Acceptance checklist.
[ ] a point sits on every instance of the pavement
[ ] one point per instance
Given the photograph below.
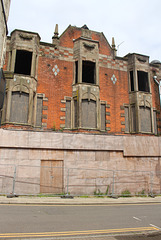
(78, 200)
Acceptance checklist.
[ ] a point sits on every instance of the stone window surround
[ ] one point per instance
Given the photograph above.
(85, 49)
(138, 127)
(98, 111)
(26, 85)
(136, 97)
(79, 72)
(25, 41)
(135, 78)
(12, 60)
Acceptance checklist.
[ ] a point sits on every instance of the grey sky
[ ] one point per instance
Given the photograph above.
(136, 23)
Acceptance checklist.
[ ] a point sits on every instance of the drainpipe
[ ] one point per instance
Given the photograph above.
(159, 85)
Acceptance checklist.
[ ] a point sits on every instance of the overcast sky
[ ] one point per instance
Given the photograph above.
(135, 24)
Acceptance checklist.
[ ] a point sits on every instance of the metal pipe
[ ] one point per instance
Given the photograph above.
(113, 185)
(67, 182)
(14, 180)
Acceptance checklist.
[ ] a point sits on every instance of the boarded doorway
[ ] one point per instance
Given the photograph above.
(51, 176)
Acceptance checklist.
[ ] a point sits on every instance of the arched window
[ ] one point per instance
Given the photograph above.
(89, 116)
(19, 107)
(145, 119)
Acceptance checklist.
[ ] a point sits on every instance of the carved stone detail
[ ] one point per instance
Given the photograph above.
(25, 36)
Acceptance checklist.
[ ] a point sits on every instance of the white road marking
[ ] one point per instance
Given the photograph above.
(155, 226)
(138, 219)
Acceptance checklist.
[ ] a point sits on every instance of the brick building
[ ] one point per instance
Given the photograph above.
(78, 84)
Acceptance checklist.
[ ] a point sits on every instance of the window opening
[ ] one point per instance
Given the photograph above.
(132, 81)
(88, 72)
(23, 62)
(76, 72)
(143, 83)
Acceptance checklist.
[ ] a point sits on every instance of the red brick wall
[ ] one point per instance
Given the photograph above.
(104, 47)
(115, 94)
(54, 87)
(66, 39)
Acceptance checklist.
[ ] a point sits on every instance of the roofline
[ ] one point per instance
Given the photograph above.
(24, 31)
(70, 26)
(138, 54)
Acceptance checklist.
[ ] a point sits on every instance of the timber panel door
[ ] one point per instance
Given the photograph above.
(51, 176)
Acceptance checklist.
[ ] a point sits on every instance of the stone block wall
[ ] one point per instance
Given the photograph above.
(88, 162)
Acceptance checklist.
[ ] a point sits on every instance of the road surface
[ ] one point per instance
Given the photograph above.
(23, 221)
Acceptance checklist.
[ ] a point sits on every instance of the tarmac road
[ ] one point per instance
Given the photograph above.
(80, 221)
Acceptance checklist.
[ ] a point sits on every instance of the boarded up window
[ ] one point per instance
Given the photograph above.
(155, 122)
(133, 118)
(19, 107)
(68, 114)
(103, 117)
(127, 119)
(88, 113)
(39, 112)
(75, 114)
(145, 119)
